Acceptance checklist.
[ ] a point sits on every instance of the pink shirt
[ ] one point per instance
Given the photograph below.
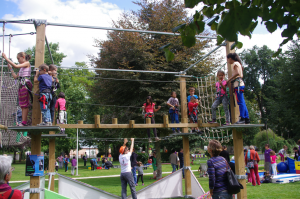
(149, 108)
(273, 159)
(25, 72)
(62, 104)
(219, 87)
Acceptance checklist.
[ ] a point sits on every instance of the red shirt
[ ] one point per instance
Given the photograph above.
(16, 195)
(191, 107)
(149, 108)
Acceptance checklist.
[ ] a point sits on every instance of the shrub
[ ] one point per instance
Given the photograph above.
(165, 157)
(142, 157)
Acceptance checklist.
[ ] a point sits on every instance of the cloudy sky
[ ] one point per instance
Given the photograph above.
(78, 43)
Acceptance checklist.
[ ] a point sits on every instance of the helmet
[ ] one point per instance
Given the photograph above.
(122, 149)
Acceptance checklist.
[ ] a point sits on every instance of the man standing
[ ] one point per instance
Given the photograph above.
(180, 156)
(133, 160)
(267, 158)
(84, 159)
(173, 160)
(73, 166)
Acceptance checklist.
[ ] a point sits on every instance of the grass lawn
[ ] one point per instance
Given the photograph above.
(113, 184)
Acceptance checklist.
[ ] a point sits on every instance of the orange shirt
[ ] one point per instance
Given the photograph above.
(253, 156)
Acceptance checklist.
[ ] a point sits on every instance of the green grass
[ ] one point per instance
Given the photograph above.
(113, 184)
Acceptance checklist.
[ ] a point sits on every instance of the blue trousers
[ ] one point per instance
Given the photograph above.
(173, 167)
(174, 118)
(181, 166)
(241, 102)
(221, 195)
(45, 108)
(133, 170)
(52, 108)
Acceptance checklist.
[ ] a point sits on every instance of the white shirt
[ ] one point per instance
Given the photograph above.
(239, 70)
(125, 162)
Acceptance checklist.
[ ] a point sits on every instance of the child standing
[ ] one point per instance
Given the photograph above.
(55, 85)
(193, 111)
(238, 85)
(282, 153)
(273, 158)
(173, 102)
(25, 87)
(45, 83)
(149, 109)
(221, 97)
(73, 166)
(139, 168)
(60, 108)
(56, 165)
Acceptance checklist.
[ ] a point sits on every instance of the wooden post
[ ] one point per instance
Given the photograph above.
(97, 121)
(166, 121)
(199, 123)
(51, 160)
(185, 139)
(237, 136)
(148, 120)
(131, 123)
(36, 112)
(115, 121)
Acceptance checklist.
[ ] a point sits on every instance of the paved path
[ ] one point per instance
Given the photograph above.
(81, 178)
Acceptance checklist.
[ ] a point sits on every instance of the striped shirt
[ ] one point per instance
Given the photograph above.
(217, 173)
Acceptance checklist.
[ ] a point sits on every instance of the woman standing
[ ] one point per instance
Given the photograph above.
(126, 175)
(217, 168)
(252, 156)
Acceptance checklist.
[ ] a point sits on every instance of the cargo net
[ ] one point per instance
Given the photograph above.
(206, 87)
(9, 111)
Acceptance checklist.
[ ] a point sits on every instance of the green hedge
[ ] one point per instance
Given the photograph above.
(142, 157)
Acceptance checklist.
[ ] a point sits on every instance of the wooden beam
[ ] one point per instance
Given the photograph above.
(237, 136)
(200, 123)
(131, 123)
(52, 159)
(36, 111)
(185, 139)
(97, 121)
(166, 121)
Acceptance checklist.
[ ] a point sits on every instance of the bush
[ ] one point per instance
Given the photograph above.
(165, 157)
(197, 152)
(142, 157)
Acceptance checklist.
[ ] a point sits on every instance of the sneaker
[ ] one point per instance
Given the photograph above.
(173, 132)
(226, 124)
(49, 123)
(178, 131)
(212, 121)
(199, 132)
(241, 121)
(143, 184)
(157, 139)
(149, 140)
(247, 121)
(42, 124)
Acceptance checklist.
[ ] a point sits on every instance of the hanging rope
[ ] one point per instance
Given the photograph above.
(2, 70)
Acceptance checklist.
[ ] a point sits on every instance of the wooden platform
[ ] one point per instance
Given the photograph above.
(35, 129)
(54, 135)
(182, 134)
(239, 126)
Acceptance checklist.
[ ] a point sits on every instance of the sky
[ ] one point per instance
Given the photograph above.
(77, 43)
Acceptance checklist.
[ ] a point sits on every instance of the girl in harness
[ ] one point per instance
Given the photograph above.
(149, 109)
(60, 107)
(25, 86)
(221, 97)
(238, 86)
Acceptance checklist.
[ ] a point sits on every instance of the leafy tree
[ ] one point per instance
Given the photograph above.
(230, 18)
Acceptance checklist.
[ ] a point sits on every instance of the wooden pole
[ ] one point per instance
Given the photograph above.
(36, 112)
(166, 121)
(97, 121)
(131, 123)
(115, 121)
(77, 152)
(237, 136)
(51, 159)
(185, 139)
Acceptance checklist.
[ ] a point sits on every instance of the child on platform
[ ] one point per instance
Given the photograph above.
(149, 109)
(273, 158)
(173, 102)
(282, 153)
(60, 108)
(193, 112)
(55, 85)
(45, 85)
(25, 87)
(221, 97)
(139, 168)
(238, 86)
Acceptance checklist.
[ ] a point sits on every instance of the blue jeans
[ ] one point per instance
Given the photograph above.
(174, 117)
(181, 166)
(173, 167)
(45, 108)
(241, 102)
(52, 108)
(133, 170)
(221, 195)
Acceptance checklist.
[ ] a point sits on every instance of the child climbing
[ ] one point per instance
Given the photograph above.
(193, 112)
(273, 158)
(221, 97)
(25, 86)
(282, 153)
(60, 108)
(45, 84)
(139, 168)
(173, 102)
(55, 85)
(149, 109)
(238, 85)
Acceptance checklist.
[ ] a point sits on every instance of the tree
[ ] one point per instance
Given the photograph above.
(230, 18)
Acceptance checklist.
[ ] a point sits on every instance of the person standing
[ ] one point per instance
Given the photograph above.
(180, 156)
(126, 175)
(133, 160)
(84, 159)
(224, 153)
(232, 164)
(66, 160)
(73, 166)
(267, 158)
(252, 158)
(173, 160)
(273, 158)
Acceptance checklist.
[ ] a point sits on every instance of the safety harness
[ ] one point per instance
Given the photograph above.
(23, 82)
(219, 93)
